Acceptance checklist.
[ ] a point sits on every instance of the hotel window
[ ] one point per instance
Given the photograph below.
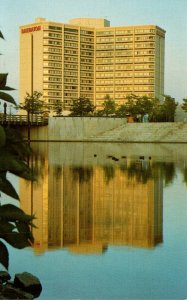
(52, 86)
(124, 32)
(54, 43)
(55, 57)
(73, 30)
(105, 40)
(55, 28)
(86, 32)
(55, 72)
(104, 33)
(57, 50)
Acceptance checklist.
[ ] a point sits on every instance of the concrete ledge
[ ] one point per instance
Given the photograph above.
(109, 130)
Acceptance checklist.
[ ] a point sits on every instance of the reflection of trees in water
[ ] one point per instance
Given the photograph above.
(58, 172)
(140, 170)
(143, 170)
(185, 174)
(168, 171)
(83, 174)
(109, 172)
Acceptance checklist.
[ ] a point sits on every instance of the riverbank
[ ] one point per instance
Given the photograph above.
(87, 129)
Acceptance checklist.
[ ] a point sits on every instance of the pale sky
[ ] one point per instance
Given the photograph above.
(171, 15)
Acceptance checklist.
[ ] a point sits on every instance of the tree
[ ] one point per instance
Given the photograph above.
(33, 104)
(121, 111)
(82, 107)
(137, 105)
(184, 105)
(109, 106)
(57, 108)
(131, 106)
(168, 109)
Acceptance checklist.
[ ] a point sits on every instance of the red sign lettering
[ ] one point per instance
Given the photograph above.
(31, 29)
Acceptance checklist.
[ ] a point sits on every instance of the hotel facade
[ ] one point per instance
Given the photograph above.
(88, 58)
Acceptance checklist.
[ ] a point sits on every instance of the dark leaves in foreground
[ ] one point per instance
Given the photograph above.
(15, 229)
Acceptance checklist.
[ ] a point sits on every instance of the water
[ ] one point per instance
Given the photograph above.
(111, 221)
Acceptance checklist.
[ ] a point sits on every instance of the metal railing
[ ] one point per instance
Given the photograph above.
(34, 120)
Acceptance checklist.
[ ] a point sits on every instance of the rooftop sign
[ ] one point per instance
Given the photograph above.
(30, 29)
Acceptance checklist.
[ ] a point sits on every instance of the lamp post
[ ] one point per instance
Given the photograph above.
(29, 125)
(5, 107)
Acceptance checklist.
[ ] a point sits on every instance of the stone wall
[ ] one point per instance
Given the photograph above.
(108, 130)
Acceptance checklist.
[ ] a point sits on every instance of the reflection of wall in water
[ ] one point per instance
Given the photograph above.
(84, 209)
(34, 200)
(70, 207)
(127, 212)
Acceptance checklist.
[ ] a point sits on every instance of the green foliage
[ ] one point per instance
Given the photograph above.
(2, 136)
(57, 108)
(168, 109)
(82, 107)
(109, 106)
(184, 104)
(4, 96)
(139, 105)
(157, 111)
(1, 35)
(15, 225)
(121, 111)
(33, 104)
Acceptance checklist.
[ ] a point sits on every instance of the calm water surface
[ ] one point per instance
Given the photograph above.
(111, 221)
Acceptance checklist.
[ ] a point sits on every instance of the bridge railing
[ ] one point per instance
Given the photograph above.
(23, 119)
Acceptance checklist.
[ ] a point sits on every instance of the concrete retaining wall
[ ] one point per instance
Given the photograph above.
(109, 130)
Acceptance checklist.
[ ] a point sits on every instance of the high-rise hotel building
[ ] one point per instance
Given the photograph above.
(89, 58)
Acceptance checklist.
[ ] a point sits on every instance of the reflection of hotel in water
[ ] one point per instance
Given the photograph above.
(80, 210)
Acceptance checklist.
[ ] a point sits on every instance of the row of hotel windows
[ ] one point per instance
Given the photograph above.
(53, 57)
(104, 60)
(100, 97)
(75, 37)
(123, 60)
(125, 88)
(67, 29)
(104, 68)
(124, 32)
(124, 53)
(100, 46)
(75, 46)
(52, 72)
(106, 53)
(82, 88)
(124, 81)
(125, 39)
(66, 73)
(52, 42)
(75, 74)
(76, 52)
(124, 74)
(66, 93)
(52, 86)
(124, 67)
(111, 82)
(75, 59)
(106, 32)
(52, 65)
(52, 35)
(66, 66)
(123, 46)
